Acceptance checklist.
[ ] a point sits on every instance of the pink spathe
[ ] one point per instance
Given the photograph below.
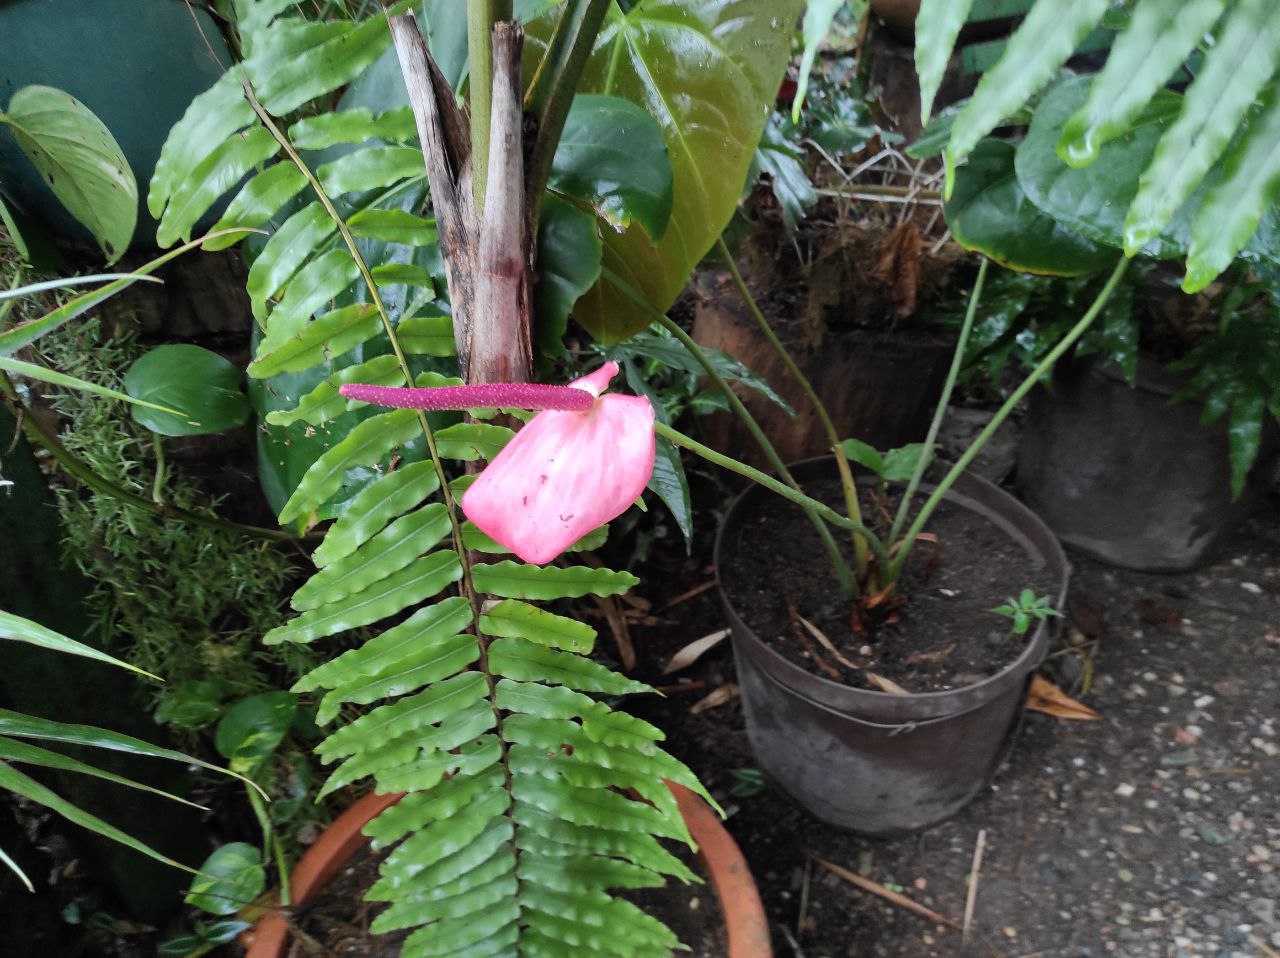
(566, 473)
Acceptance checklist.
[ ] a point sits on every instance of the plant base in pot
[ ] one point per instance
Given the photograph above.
(884, 763)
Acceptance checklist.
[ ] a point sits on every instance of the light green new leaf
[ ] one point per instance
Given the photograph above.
(1047, 37)
(393, 226)
(375, 168)
(375, 506)
(612, 155)
(32, 371)
(517, 580)
(512, 618)
(296, 60)
(80, 160)
(260, 199)
(222, 169)
(1158, 38)
(938, 25)
(353, 126)
(365, 445)
(1232, 210)
(529, 662)
(24, 630)
(415, 583)
(738, 50)
(203, 386)
(1244, 57)
(426, 335)
(818, 15)
(328, 336)
(469, 441)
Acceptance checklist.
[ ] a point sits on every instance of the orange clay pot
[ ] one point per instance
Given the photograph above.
(723, 864)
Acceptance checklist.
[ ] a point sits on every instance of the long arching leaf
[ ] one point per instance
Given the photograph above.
(937, 26)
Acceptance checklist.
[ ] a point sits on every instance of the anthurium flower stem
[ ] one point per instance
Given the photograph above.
(811, 506)
(844, 575)
(957, 360)
(842, 461)
(903, 549)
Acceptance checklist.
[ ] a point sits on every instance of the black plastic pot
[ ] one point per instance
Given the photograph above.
(1125, 476)
(872, 762)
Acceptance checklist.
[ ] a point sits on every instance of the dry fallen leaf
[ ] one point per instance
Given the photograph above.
(1046, 697)
(935, 656)
(725, 693)
(825, 642)
(686, 656)
(886, 685)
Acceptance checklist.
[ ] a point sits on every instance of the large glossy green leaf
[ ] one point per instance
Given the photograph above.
(24, 630)
(1093, 200)
(938, 25)
(1232, 210)
(1157, 39)
(988, 212)
(204, 387)
(231, 878)
(1046, 38)
(612, 155)
(568, 265)
(737, 50)
(1244, 56)
(80, 160)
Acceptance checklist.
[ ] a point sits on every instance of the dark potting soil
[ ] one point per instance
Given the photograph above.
(945, 636)
(338, 919)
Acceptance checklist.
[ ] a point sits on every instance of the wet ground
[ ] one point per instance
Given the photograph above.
(1154, 831)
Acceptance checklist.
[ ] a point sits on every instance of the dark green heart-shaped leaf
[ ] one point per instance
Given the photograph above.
(612, 155)
(252, 729)
(988, 212)
(568, 265)
(201, 385)
(80, 160)
(229, 879)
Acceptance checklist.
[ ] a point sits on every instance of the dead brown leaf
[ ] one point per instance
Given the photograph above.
(725, 693)
(1155, 613)
(886, 685)
(936, 656)
(686, 656)
(899, 267)
(825, 642)
(1046, 697)
(686, 596)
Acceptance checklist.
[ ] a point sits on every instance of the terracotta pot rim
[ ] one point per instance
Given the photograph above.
(727, 872)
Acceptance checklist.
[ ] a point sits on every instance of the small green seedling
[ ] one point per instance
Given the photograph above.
(1024, 608)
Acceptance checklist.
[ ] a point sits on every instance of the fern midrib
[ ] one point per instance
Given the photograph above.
(466, 586)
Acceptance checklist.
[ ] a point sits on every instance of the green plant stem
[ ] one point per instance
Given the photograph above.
(957, 360)
(807, 503)
(552, 90)
(157, 485)
(272, 845)
(931, 504)
(847, 484)
(481, 16)
(82, 472)
(844, 575)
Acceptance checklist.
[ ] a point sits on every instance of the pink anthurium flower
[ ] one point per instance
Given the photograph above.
(576, 465)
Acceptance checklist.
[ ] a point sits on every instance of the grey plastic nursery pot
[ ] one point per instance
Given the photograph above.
(1124, 475)
(872, 762)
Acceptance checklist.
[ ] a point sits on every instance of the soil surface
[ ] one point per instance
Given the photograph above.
(1154, 831)
(337, 921)
(945, 637)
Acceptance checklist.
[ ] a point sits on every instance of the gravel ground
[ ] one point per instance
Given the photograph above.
(1152, 832)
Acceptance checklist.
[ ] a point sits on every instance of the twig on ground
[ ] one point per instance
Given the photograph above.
(971, 899)
(804, 895)
(886, 685)
(875, 888)
(791, 940)
(825, 642)
(697, 590)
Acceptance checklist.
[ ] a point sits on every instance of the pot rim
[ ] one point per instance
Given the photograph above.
(741, 908)
(970, 492)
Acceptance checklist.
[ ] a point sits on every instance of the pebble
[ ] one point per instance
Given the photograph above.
(1125, 790)
(1251, 587)
(1203, 701)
